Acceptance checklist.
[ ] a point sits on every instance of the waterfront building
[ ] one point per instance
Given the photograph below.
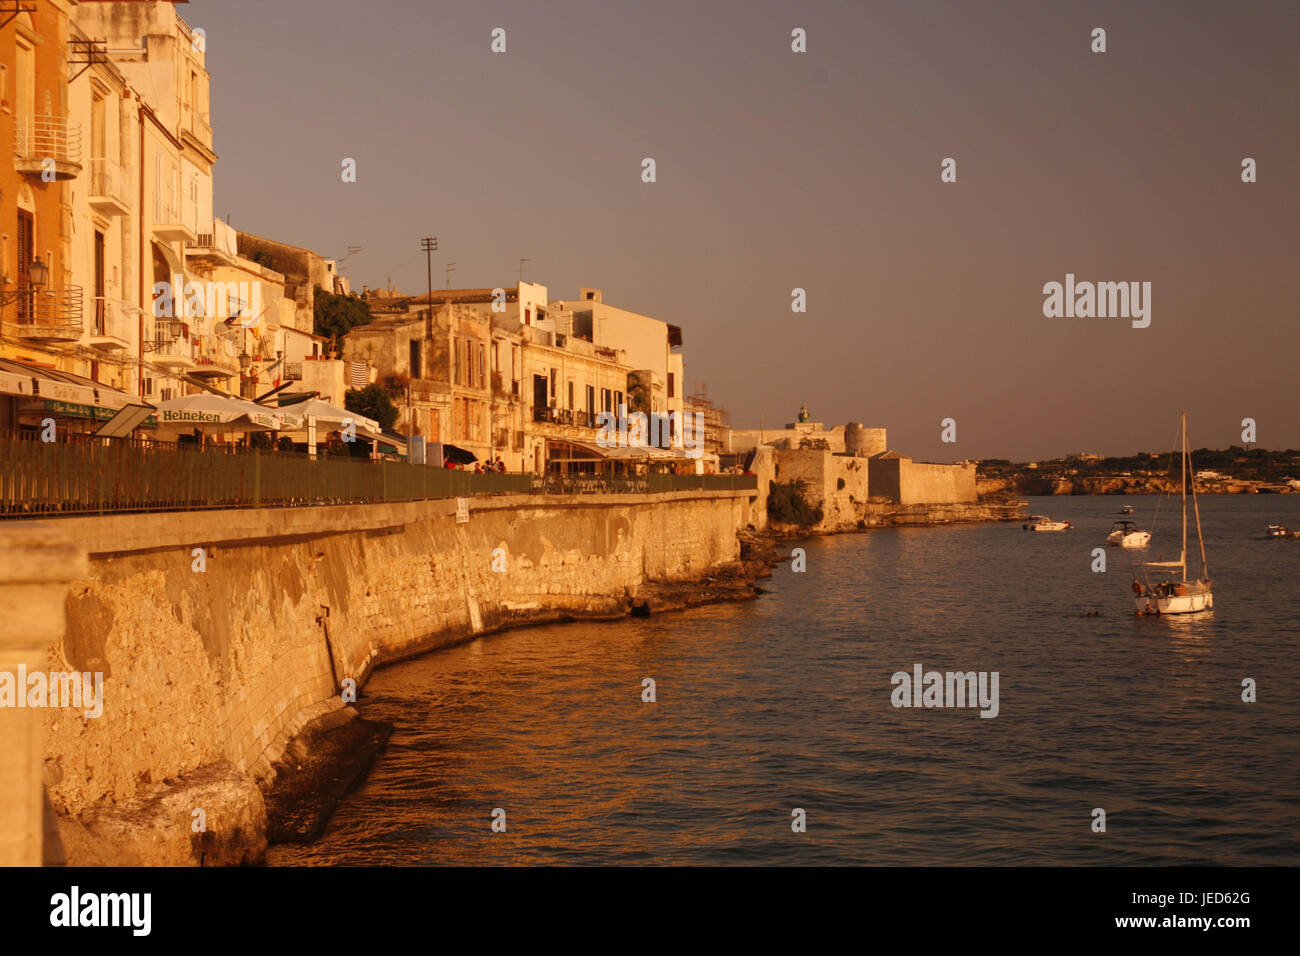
(42, 309)
(652, 348)
(165, 147)
(506, 372)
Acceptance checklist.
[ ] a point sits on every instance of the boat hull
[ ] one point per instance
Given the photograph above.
(1190, 603)
(1134, 539)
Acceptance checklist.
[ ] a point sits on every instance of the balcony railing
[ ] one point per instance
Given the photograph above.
(110, 187)
(48, 137)
(112, 323)
(47, 314)
(293, 371)
(169, 345)
(172, 219)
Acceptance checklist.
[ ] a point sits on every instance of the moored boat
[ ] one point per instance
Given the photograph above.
(1181, 596)
(1126, 534)
(1044, 523)
(1126, 510)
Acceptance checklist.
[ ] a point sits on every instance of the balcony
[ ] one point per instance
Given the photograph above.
(195, 126)
(48, 315)
(168, 223)
(110, 187)
(214, 366)
(214, 241)
(554, 416)
(47, 143)
(113, 324)
(170, 346)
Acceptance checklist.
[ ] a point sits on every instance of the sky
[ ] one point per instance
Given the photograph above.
(818, 170)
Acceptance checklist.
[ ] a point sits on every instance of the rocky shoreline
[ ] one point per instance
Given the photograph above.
(333, 755)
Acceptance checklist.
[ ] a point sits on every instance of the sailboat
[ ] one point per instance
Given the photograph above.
(1181, 596)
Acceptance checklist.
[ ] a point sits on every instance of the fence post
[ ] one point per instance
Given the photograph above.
(36, 566)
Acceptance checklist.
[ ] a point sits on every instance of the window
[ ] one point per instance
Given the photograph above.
(455, 363)
(670, 384)
(469, 363)
(591, 402)
(528, 316)
(618, 402)
(482, 366)
(605, 400)
(554, 376)
(570, 394)
(415, 359)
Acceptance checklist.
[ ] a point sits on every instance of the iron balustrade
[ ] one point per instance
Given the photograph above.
(81, 474)
(46, 136)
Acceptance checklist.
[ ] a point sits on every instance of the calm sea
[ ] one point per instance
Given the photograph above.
(784, 703)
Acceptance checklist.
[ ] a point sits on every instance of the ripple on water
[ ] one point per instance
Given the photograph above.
(784, 702)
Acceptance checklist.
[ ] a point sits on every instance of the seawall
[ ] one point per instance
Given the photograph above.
(215, 659)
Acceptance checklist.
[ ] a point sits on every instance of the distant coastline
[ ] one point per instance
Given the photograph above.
(1230, 471)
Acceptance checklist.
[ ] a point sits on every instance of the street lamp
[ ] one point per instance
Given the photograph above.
(38, 273)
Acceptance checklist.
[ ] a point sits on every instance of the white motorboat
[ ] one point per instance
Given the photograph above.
(1044, 523)
(1179, 596)
(1278, 531)
(1126, 534)
(1126, 510)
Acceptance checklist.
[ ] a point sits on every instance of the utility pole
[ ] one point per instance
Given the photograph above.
(430, 245)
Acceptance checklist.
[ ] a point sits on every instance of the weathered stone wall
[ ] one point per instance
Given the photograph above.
(924, 483)
(823, 473)
(208, 675)
(908, 482)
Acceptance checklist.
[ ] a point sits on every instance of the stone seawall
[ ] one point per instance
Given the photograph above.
(215, 659)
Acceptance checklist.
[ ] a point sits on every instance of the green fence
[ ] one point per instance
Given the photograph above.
(96, 476)
(82, 475)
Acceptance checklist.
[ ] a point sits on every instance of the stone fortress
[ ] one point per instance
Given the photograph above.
(850, 473)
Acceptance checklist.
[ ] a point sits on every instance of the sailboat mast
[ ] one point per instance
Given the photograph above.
(1196, 508)
(1183, 557)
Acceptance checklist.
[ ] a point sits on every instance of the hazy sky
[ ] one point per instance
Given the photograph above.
(818, 170)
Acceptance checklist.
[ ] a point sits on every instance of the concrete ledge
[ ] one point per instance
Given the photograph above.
(118, 534)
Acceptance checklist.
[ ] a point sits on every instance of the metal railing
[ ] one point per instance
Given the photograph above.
(48, 313)
(47, 136)
(654, 483)
(165, 211)
(85, 475)
(112, 317)
(80, 474)
(109, 181)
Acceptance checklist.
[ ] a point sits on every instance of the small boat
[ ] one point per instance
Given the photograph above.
(1126, 534)
(1181, 596)
(1044, 523)
(1126, 510)
(1278, 531)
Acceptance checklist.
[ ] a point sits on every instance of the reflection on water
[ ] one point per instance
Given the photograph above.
(784, 702)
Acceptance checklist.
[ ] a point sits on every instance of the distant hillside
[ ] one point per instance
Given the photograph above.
(1233, 470)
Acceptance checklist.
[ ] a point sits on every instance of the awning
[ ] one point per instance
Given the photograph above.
(175, 267)
(63, 392)
(210, 412)
(591, 451)
(330, 417)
